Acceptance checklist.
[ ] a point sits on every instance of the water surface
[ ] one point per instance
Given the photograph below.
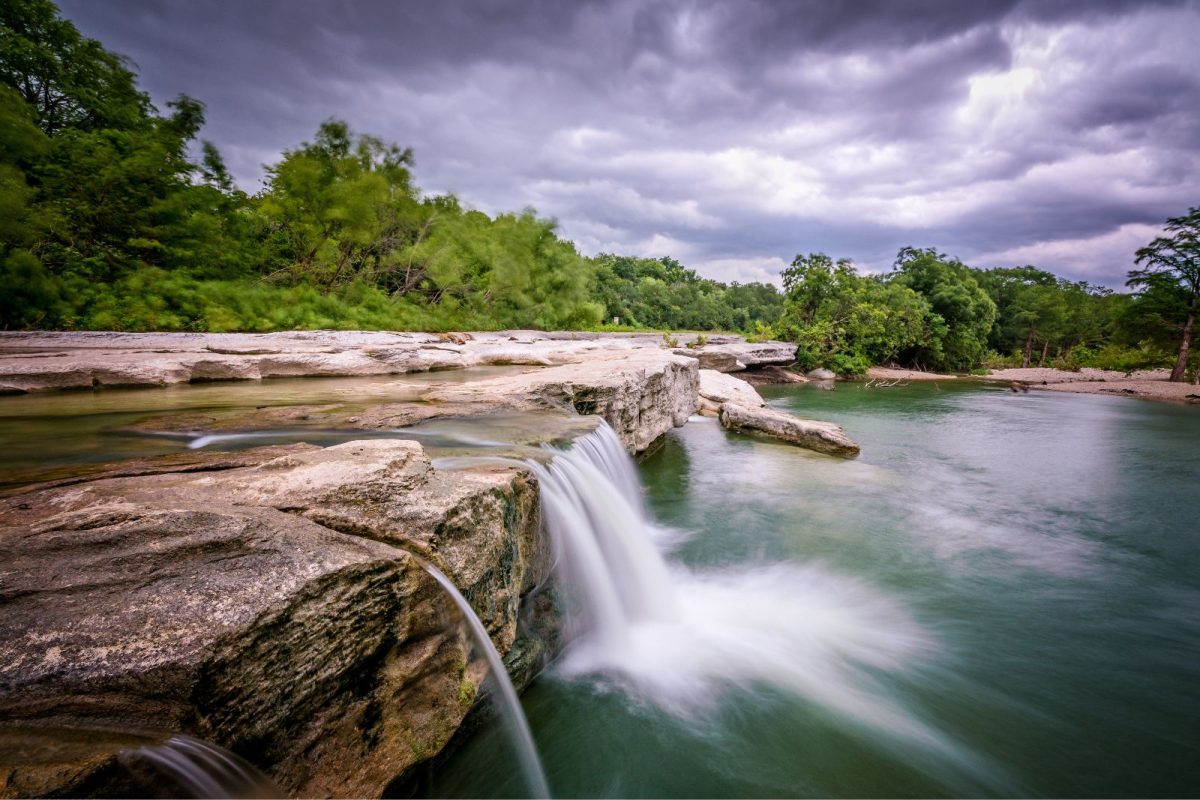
(1000, 596)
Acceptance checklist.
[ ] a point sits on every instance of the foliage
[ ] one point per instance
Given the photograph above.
(1168, 277)
(114, 215)
(662, 293)
(847, 322)
(961, 312)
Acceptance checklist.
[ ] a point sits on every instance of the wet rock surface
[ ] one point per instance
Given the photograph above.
(270, 599)
(272, 609)
(824, 437)
(642, 395)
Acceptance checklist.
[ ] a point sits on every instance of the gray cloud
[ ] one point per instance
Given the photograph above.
(730, 135)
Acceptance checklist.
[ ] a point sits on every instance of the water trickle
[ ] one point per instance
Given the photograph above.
(204, 770)
(510, 705)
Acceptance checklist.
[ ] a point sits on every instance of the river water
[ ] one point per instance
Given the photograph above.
(999, 597)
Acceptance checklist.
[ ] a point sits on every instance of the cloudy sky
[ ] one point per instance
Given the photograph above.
(730, 135)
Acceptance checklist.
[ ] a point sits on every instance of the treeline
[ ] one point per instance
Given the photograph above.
(934, 312)
(114, 216)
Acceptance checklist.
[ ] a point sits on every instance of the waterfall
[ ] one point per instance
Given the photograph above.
(204, 770)
(681, 638)
(592, 504)
(510, 705)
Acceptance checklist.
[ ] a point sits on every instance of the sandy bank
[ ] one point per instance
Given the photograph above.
(1146, 384)
(890, 374)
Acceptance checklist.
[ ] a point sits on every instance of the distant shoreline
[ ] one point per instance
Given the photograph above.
(1144, 384)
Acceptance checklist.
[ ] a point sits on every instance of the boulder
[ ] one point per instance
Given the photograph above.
(824, 437)
(717, 388)
(275, 609)
(642, 394)
(711, 358)
(821, 374)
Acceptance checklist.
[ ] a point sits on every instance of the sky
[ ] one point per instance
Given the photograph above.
(728, 135)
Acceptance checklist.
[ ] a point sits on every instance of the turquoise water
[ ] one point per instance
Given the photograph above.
(1000, 596)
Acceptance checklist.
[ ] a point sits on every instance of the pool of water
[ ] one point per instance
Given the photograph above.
(999, 597)
(43, 430)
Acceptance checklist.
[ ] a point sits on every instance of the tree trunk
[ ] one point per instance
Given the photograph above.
(338, 272)
(1178, 374)
(1045, 351)
(1028, 350)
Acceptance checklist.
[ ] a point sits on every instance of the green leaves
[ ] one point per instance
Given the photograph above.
(663, 294)
(1168, 280)
(957, 299)
(846, 322)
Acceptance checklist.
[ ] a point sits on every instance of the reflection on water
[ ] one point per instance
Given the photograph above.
(1016, 575)
(59, 429)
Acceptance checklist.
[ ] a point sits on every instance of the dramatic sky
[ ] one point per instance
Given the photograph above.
(729, 135)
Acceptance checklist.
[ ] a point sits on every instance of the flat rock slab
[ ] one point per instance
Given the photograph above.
(717, 388)
(273, 609)
(824, 437)
(641, 394)
(38, 361)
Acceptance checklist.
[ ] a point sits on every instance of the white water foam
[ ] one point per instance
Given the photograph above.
(680, 639)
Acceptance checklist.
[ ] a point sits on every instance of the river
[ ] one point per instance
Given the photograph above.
(1000, 596)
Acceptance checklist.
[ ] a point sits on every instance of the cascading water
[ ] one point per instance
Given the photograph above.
(510, 705)
(680, 639)
(204, 770)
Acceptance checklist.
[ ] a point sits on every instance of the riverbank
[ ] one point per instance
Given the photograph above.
(891, 374)
(277, 594)
(1144, 384)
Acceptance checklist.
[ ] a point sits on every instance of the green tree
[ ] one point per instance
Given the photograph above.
(847, 322)
(1038, 313)
(332, 207)
(1169, 267)
(67, 79)
(963, 311)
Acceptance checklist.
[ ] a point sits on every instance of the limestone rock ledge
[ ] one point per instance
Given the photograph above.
(641, 394)
(717, 388)
(274, 609)
(824, 437)
(46, 360)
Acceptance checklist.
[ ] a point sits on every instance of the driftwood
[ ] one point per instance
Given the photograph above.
(879, 383)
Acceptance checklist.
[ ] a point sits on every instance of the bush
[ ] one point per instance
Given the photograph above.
(1129, 359)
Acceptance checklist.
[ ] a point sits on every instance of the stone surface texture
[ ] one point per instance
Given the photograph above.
(275, 609)
(272, 601)
(717, 388)
(38, 361)
(641, 394)
(824, 437)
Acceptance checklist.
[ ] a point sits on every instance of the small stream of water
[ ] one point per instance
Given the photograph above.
(510, 705)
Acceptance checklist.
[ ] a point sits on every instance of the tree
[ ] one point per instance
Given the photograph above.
(964, 312)
(66, 78)
(1170, 265)
(847, 322)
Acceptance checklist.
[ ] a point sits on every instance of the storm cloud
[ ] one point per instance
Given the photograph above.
(729, 135)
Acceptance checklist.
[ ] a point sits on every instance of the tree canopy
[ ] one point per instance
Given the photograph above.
(1169, 276)
(115, 214)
